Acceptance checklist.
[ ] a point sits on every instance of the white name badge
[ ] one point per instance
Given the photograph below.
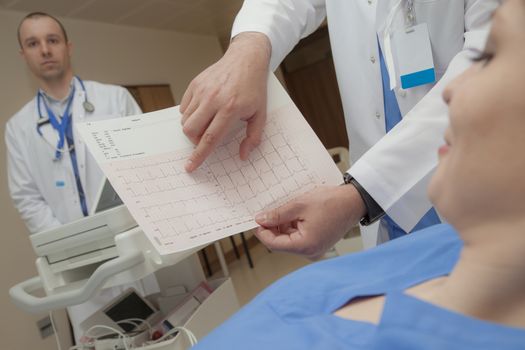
(412, 54)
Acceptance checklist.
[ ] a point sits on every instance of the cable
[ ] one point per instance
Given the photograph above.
(141, 322)
(55, 331)
(91, 345)
(134, 324)
(192, 338)
(137, 322)
(116, 331)
(83, 346)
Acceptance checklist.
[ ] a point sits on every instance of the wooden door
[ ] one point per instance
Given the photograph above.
(152, 97)
(311, 82)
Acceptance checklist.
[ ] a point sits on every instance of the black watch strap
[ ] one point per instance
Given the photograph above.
(374, 211)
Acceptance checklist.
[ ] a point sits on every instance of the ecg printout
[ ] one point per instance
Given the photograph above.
(143, 157)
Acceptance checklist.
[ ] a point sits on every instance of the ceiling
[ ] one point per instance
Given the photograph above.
(212, 17)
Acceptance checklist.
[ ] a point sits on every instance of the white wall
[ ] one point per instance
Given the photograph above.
(102, 52)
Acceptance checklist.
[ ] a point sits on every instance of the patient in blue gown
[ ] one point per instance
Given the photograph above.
(453, 287)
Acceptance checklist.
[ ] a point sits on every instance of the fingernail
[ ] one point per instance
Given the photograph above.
(245, 154)
(189, 165)
(260, 218)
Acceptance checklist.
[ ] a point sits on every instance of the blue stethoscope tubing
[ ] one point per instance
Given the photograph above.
(61, 127)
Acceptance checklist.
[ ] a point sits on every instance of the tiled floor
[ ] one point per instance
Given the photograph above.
(268, 267)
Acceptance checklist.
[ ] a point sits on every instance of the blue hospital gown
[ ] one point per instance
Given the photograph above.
(296, 312)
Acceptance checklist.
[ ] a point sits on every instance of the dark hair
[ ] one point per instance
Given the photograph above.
(38, 15)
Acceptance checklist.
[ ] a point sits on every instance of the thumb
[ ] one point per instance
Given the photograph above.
(282, 215)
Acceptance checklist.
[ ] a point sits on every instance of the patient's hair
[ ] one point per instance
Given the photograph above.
(35, 15)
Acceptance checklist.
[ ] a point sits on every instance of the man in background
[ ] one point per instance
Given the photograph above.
(52, 178)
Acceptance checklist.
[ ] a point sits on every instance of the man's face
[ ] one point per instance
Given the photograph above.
(44, 48)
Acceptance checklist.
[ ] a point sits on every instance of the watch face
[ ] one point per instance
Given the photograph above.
(347, 177)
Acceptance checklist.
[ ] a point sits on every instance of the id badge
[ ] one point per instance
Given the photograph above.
(412, 54)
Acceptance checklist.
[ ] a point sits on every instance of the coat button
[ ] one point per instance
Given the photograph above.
(378, 115)
(369, 2)
(372, 59)
(402, 93)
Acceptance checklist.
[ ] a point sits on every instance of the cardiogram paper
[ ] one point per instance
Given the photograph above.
(143, 157)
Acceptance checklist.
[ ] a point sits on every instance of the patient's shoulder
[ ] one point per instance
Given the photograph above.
(372, 272)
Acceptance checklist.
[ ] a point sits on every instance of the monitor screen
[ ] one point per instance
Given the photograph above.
(131, 306)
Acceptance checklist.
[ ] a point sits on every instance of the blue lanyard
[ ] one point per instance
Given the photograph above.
(59, 126)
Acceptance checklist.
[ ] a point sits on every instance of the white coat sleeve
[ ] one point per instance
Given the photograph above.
(284, 22)
(33, 209)
(418, 136)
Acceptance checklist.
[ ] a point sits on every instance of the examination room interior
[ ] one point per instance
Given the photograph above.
(136, 43)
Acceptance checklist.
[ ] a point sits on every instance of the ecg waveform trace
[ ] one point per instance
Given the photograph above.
(224, 193)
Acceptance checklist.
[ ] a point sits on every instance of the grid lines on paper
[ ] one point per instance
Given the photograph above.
(222, 193)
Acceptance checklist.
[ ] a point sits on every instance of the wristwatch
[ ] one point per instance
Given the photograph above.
(374, 211)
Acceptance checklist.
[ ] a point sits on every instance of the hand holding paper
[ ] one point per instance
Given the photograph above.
(144, 157)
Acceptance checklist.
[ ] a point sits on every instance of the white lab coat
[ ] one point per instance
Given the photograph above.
(396, 170)
(32, 174)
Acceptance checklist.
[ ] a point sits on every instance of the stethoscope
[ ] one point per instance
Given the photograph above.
(60, 124)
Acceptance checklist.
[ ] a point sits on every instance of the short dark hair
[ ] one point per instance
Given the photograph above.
(38, 14)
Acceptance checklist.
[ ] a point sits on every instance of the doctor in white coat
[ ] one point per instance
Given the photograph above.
(389, 173)
(42, 183)
(53, 182)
